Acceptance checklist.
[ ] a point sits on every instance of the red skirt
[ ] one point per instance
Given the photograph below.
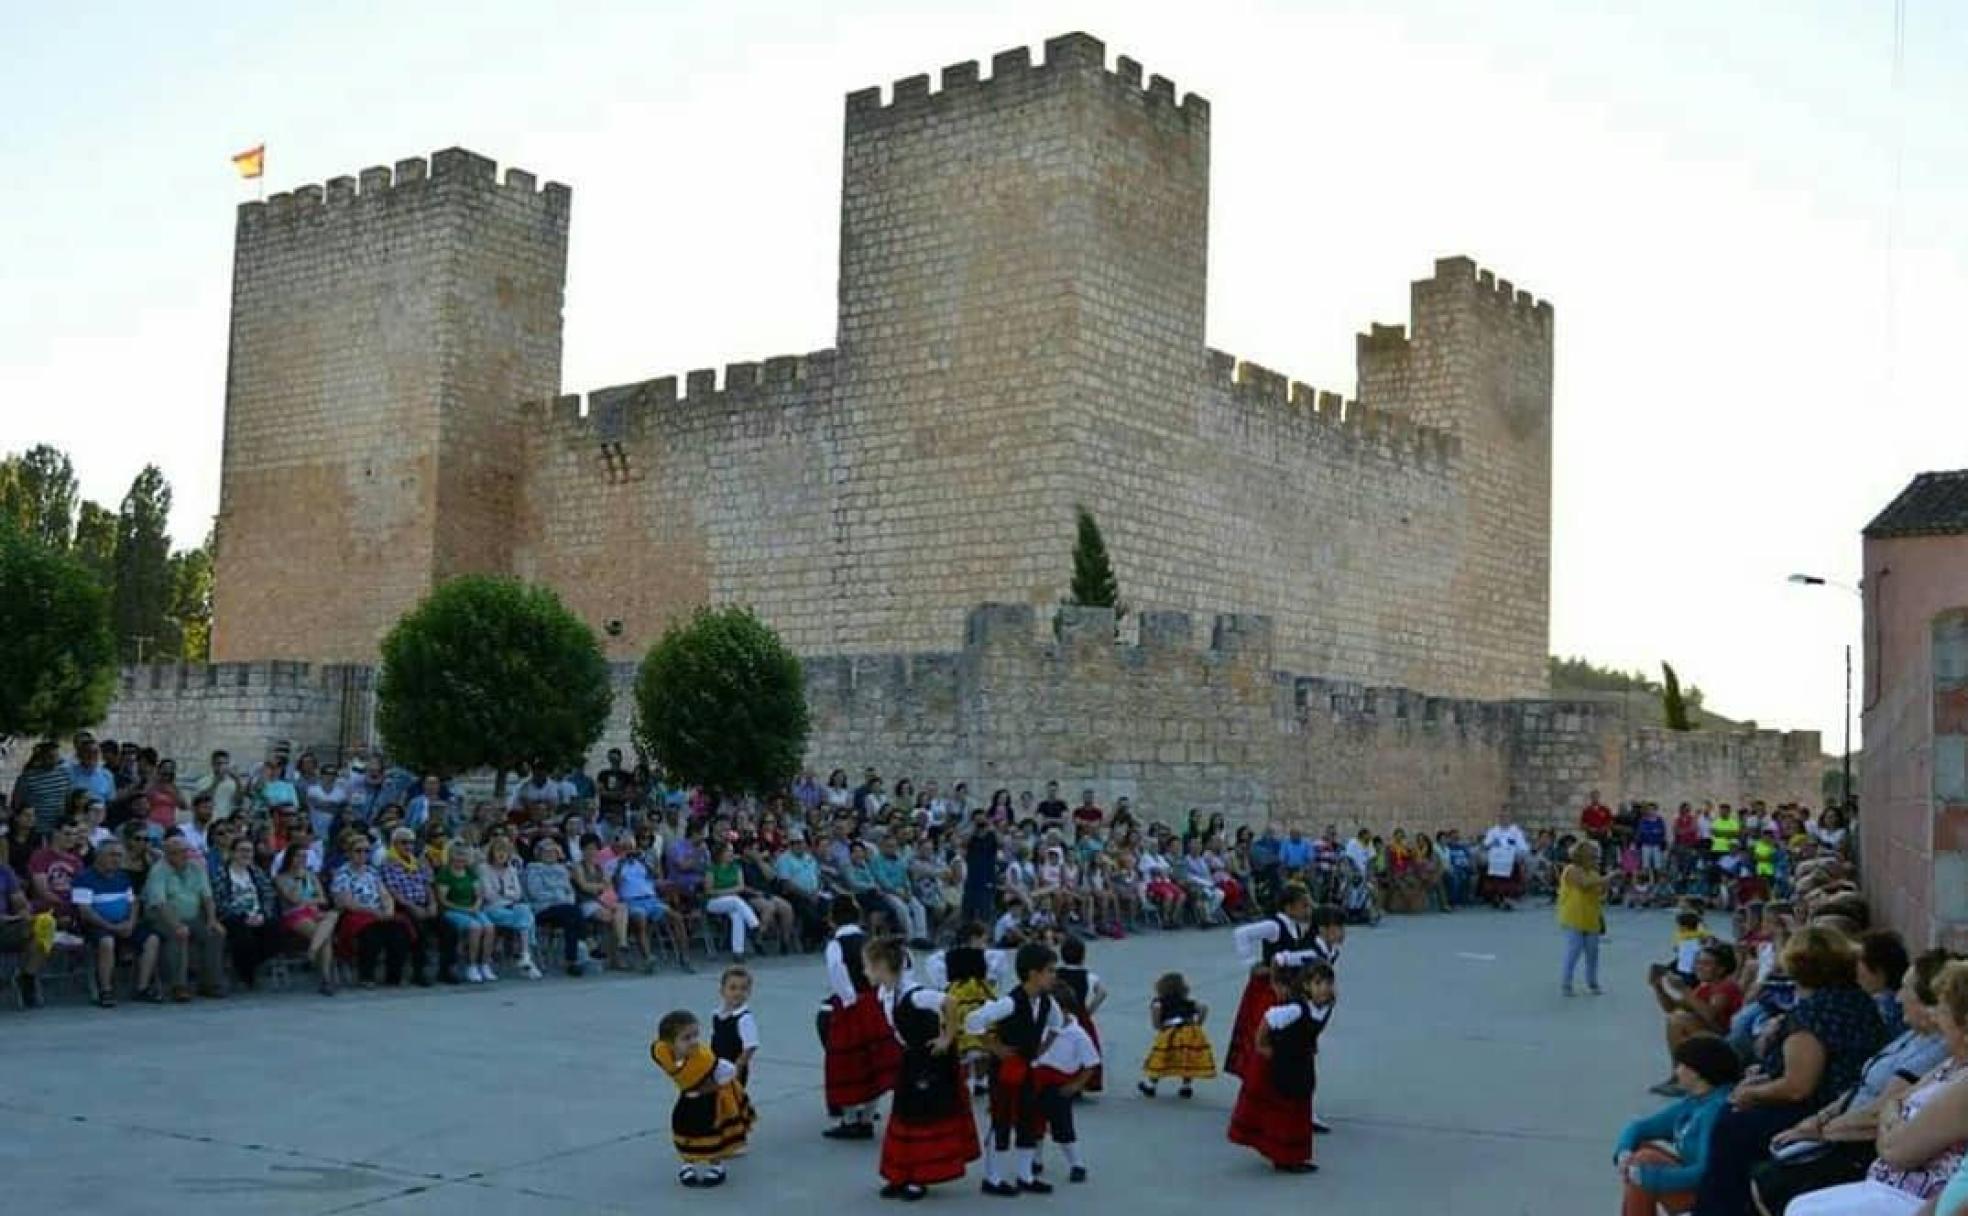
(1257, 1000)
(1492, 887)
(862, 1053)
(931, 1135)
(1016, 1100)
(1279, 1128)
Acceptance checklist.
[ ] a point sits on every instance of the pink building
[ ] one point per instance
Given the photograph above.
(1914, 781)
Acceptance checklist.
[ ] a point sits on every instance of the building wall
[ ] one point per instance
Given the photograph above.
(382, 332)
(1912, 843)
(1196, 713)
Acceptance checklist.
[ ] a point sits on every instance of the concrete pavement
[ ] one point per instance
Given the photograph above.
(1461, 1083)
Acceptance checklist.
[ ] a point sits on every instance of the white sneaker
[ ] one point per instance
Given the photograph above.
(489, 974)
(473, 975)
(530, 969)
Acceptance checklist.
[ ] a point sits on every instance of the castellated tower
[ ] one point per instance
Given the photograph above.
(383, 330)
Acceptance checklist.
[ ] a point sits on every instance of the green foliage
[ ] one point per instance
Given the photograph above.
(1094, 584)
(140, 599)
(190, 618)
(1674, 709)
(1570, 675)
(721, 703)
(58, 662)
(38, 494)
(491, 672)
(95, 542)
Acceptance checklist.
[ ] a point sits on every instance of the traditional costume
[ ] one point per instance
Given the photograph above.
(862, 1054)
(1020, 1026)
(1068, 1065)
(1084, 984)
(733, 1033)
(712, 1116)
(969, 975)
(1181, 1049)
(1504, 848)
(1274, 1108)
(931, 1135)
(1259, 944)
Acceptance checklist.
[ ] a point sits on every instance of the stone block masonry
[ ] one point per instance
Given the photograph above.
(1021, 328)
(1195, 713)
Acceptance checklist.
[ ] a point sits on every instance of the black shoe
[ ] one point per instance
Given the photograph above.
(1001, 1190)
(712, 1176)
(892, 1191)
(1185, 1092)
(1147, 1090)
(1077, 1174)
(1297, 1167)
(1320, 1127)
(914, 1191)
(30, 990)
(1036, 1186)
(575, 970)
(1038, 1169)
(850, 1131)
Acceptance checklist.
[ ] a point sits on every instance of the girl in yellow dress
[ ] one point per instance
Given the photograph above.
(713, 1116)
(1181, 1049)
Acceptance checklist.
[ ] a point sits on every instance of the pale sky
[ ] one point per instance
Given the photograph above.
(1754, 337)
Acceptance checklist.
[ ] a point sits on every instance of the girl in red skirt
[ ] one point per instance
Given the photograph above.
(1274, 1109)
(932, 1135)
(862, 1053)
(1089, 994)
(1259, 944)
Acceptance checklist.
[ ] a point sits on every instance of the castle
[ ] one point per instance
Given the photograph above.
(1341, 605)
(1021, 328)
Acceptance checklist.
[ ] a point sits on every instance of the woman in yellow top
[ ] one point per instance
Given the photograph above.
(1582, 914)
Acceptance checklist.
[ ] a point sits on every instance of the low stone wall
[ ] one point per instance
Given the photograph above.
(1185, 716)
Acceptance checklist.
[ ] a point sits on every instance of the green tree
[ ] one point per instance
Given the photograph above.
(95, 542)
(1674, 709)
(58, 665)
(1094, 584)
(721, 703)
(491, 673)
(38, 493)
(140, 596)
(190, 621)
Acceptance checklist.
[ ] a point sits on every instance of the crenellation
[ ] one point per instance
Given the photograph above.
(1011, 70)
(741, 378)
(452, 166)
(375, 179)
(1129, 71)
(1161, 88)
(341, 191)
(959, 75)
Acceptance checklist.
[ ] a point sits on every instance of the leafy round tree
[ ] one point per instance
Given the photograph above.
(491, 673)
(721, 703)
(58, 661)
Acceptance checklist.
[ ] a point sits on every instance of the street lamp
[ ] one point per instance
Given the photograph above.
(1845, 765)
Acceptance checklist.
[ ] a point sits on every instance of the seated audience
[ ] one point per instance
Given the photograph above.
(1661, 1158)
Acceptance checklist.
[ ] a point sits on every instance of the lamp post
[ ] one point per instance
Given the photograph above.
(1845, 764)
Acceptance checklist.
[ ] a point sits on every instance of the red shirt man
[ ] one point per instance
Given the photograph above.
(1088, 814)
(1596, 819)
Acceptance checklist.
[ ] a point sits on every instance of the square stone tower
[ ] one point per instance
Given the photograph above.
(382, 332)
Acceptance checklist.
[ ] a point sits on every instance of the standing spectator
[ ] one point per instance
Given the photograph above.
(1052, 809)
(1088, 814)
(408, 877)
(305, 912)
(89, 771)
(980, 864)
(368, 916)
(178, 901)
(615, 791)
(249, 908)
(1651, 834)
(106, 912)
(44, 785)
(361, 787)
(275, 790)
(577, 788)
(25, 932)
(164, 803)
(1504, 850)
(327, 797)
(539, 796)
(221, 785)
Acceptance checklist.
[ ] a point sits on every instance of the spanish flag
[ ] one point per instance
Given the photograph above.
(252, 162)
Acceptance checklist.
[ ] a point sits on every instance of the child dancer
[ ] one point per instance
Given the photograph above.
(1089, 994)
(862, 1054)
(1181, 1049)
(712, 1116)
(1019, 1027)
(1068, 1067)
(734, 1031)
(1328, 935)
(931, 1136)
(1259, 944)
(1274, 1109)
(970, 972)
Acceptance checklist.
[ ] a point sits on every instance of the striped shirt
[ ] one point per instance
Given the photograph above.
(46, 790)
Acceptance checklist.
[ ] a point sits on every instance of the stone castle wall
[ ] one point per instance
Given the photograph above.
(1187, 715)
(1023, 280)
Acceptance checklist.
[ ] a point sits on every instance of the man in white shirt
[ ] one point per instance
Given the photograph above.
(1504, 850)
(221, 785)
(541, 793)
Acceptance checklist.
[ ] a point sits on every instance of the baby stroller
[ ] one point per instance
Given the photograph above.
(1355, 894)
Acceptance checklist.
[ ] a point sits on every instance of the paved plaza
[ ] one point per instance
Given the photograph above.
(1461, 1082)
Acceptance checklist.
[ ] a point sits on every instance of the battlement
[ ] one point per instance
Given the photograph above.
(1461, 274)
(1395, 433)
(412, 178)
(605, 413)
(264, 676)
(1014, 75)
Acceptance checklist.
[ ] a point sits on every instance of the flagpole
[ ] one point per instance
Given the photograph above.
(262, 178)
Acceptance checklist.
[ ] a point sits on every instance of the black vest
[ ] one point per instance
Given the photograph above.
(1287, 940)
(1177, 1009)
(1292, 1055)
(1024, 1027)
(726, 1043)
(850, 947)
(1079, 979)
(917, 1028)
(965, 963)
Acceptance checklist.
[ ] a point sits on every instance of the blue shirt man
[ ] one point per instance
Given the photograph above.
(1295, 851)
